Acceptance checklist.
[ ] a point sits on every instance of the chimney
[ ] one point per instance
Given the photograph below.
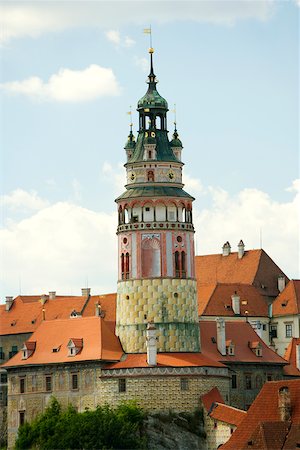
(298, 357)
(226, 249)
(281, 283)
(284, 403)
(85, 292)
(241, 249)
(52, 295)
(151, 344)
(221, 337)
(8, 303)
(236, 303)
(97, 309)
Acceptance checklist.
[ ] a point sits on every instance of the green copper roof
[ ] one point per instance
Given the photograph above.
(163, 148)
(154, 191)
(130, 141)
(152, 99)
(175, 142)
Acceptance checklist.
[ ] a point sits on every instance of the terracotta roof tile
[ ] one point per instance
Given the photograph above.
(227, 414)
(290, 355)
(265, 409)
(240, 333)
(215, 300)
(167, 360)
(213, 396)
(99, 342)
(288, 301)
(255, 268)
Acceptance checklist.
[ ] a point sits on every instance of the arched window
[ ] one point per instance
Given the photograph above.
(122, 266)
(120, 215)
(125, 270)
(180, 264)
(151, 257)
(150, 175)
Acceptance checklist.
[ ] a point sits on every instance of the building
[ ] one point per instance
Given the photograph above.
(292, 355)
(251, 362)
(286, 317)
(220, 420)
(151, 351)
(273, 420)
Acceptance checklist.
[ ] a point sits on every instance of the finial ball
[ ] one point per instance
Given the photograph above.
(151, 50)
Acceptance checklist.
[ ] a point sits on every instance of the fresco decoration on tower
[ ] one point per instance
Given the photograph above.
(156, 278)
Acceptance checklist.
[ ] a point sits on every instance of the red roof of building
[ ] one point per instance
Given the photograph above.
(254, 431)
(240, 333)
(215, 300)
(52, 337)
(212, 396)
(288, 301)
(227, 414)
(290, 355)
(166, 360)
(255, 267)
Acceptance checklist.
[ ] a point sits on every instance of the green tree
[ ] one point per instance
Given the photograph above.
(104, 428)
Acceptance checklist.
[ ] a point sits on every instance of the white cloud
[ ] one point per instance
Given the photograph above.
(142, 63)
(113, 36)
(23, 200)
(128, 41)
(115, 176)
(62, 245)
(193, 185)
(31, 19)
(68, 85)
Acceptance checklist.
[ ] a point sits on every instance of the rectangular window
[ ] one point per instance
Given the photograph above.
(184, 384)
(233, 381)
(2, 356)
(273, 331)
(122, 384)
(248, 381)
(22, 385)
(269, 377)
(74, 381)
(14, 351)
(3, 377)
(288, 330)
(48, 383)
(21, 418)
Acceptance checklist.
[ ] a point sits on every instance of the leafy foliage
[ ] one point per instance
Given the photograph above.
(105, 428)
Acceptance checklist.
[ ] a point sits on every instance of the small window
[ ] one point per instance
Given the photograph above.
(74, 381)
(48, 382)
(288, 330)
(215, 424)
(2, 356)
(21, 418)
(273, 331)
(269, 377)
(231, 430)
(233, 381)
(264, 327)
(22, 385)
(147, 208)
(248, 381)
(258, 382)
(3, 377)
(122, 384)
(184, 384)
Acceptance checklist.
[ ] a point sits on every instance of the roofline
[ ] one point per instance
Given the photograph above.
(267, 363)
(107, 361)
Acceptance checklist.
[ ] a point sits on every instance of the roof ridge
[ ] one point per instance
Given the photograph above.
(231, 407)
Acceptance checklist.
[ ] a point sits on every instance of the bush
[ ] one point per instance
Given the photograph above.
(104, 428)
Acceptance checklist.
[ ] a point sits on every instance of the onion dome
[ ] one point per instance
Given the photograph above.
(130, 144)
(152, 99)
(175, 142)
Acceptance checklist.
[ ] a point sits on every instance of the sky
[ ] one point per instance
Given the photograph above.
(70, 71)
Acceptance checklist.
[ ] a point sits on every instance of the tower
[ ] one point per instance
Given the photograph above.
(156, 275)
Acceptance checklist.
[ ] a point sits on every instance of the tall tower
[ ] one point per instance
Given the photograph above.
(156, 281)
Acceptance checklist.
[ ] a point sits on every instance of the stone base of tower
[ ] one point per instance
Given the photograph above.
(170, 303)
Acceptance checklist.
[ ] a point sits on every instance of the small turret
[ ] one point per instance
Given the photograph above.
(176, 144)
(130, 144)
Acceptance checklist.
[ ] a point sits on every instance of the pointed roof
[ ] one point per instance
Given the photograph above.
(288, 301)
(263, 420)
(52, 337)
(290, 355)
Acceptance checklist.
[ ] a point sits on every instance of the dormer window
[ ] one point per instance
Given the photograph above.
(230, 348)
(256, 347)
(74, 314)
(75, 346)
(28, 349)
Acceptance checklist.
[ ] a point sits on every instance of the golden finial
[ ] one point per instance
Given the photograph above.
(151, 50)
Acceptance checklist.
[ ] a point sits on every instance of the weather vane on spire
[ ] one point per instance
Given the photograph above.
(149, 31)
(174, 111)
(130, 114)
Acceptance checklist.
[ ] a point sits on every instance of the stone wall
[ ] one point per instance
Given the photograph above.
(217, 432)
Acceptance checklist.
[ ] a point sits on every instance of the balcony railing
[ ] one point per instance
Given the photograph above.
(156, 225)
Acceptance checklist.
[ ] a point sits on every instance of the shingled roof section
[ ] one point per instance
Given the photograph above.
(215, 300)
(227, 414)
(291, 370)
(262, 427)
(240, 333)
(212, 396)
(288, 301)
(255, 268)
(99, 343)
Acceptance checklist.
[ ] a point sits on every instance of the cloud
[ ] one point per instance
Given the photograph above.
(23, 200)
(68, 85)
(114, 36)
(142, 63)
(31, 19)
(115, 176)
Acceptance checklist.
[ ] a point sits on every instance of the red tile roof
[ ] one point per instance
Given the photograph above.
(264, 410)
(288, 301)
(215, 300)
(99, 343)
(255, 268)
(167, 360)
(290, 355)
(240, 333)
(227, 414)
(211, 397)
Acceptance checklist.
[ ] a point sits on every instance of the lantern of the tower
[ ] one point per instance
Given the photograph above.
(156, 281)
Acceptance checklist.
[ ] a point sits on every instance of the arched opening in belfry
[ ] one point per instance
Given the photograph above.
(125, 266)
(150, 175)
(151, 257)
